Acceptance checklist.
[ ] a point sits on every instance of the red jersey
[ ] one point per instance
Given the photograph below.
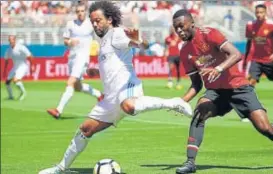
(261, 35)
(172, 42)
(204, 51)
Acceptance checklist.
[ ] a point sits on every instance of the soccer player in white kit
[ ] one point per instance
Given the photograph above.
(122, 89)
(78, 37)
(19, 55)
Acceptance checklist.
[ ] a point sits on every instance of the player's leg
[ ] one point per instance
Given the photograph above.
(74, 75)
(66, 96)
(268, 70)
(177, 66)
(78, 144)
(78, 71)
(19, 74)
(209, 106)
(171, 67)
(247, 105)
(88, 89)
(8, 83)
(255, 72)
(133, 102)
(261, 122)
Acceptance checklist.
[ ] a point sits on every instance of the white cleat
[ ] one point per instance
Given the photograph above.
(22, 96)
(182, 107)
(245, 120)
(53, 170)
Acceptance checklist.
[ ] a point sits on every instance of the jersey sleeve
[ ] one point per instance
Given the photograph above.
(25, 51)
(248, 33)
(216, 38)
(120, 40)
(67, 30)
(187, 64)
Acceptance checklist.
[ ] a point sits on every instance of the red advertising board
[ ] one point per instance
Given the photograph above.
(56, 67)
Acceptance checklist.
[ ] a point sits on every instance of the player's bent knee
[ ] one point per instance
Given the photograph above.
(128, 106)
(87, 130)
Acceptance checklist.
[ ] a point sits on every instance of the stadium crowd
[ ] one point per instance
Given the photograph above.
(33, 8)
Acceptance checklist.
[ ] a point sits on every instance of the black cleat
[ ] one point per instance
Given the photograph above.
(187, 167)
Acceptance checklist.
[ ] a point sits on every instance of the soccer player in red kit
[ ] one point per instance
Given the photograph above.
(207, 56)
(259, 47)
(172, 43)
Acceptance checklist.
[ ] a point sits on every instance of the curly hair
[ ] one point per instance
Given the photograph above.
(109, 9)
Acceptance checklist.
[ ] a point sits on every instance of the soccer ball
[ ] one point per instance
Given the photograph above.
(107, 166)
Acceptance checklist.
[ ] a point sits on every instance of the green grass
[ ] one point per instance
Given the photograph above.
(150, 143)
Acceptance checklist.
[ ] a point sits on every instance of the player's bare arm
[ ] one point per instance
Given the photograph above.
(133, 34)
(195, 88)
(248, 46)
(233, 57)
(92, 72)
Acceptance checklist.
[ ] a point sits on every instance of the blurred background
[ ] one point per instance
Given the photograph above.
(40, 24)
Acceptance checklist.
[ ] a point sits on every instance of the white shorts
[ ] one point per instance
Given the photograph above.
(108, 110)
(18, 72)
(77, 66)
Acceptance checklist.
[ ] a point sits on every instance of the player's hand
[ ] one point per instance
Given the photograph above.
(212, 73)
(74, 42)
(92, 72)
(132, 33)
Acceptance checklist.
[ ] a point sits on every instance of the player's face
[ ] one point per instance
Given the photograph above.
(12, 40)
(184, 28)
(81, 13)
(100, 23)
(260, 13)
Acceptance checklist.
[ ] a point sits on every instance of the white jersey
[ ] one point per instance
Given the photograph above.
(18, 54)
(81, 31)
(115, 60)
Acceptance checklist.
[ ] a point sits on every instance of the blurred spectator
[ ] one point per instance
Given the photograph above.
(228, 20)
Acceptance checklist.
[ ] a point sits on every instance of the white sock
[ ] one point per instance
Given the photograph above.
(20, 86)
(145, 103)
(69, 91)
(9, 89)
(86, 88)
(77, 145)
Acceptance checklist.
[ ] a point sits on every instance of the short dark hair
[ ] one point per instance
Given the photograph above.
(183, 12)
(109, 9)
(260, 6)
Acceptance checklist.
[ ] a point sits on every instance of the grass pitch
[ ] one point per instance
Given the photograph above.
(150, 143)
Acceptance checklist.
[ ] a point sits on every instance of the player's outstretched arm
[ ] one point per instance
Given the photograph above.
(233, 56)
(196, 86)
(248, 46)
(133, 34)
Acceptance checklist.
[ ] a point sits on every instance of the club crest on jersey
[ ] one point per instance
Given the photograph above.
(266, 31)
(260, 40)
(204, 60)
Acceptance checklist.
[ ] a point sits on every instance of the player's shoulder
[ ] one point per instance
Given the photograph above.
(208, 30)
